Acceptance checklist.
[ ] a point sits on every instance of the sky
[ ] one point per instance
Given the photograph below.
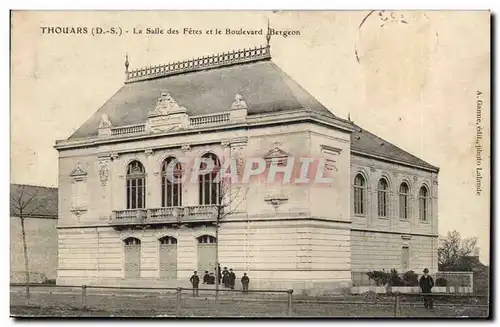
(410, 77)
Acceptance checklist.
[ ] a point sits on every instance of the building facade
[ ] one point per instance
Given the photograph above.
(122, 222)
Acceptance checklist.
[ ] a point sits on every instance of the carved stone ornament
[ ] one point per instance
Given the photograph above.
(415, 178)
(186, 147)
(79, 171)
(78, 212)
(276, 155)
(164, 128)
(103, 173)
(330, 164)
(165, 105)
(238, 103)
(105, 122)
(276, 200)
(435, 181)
(149, 152)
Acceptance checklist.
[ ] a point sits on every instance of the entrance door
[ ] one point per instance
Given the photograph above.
(168, 257)
(132, 257)
(206, 254)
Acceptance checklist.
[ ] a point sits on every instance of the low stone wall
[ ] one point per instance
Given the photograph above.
(303, 288)
(412, 289)
(20, 277)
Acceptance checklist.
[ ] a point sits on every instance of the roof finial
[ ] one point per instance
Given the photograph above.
(126, 62)
(268, 34)
(349, 116)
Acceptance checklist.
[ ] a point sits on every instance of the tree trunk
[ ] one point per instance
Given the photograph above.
(25, 252)
(217, 257)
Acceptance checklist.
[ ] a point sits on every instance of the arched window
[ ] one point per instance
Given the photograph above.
(136, 185)
(359, 195)
(382, 196)
(209, 188)
(423, 197)
(204, 239)
(168, 240)
(403, 200)
(171, 185)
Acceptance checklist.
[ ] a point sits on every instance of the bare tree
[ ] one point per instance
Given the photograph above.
(230, 197)
(452, 249)
(25, 202)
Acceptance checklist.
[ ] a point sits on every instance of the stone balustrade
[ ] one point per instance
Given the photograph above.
(132, 129)
(165, 215)
(209, 119)
(194, 122)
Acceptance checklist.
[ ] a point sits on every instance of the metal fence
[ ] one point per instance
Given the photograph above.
(453, 278)
(184, 302)
(165, 301)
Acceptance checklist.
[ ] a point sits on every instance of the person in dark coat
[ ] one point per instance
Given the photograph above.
(195, 281)
(244, 282)
(232, 278)
(219, 274)
(426, 284)
(225, 277)
(205, 277)
(211, 279)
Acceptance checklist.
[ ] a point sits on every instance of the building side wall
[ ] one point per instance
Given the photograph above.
(376, 251)
(377, 241)
(41, 242)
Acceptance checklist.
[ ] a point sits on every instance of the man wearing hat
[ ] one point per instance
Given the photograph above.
(205, 277)
(195, 281)
(426, 284)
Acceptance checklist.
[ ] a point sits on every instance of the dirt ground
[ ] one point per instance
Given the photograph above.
(137, 304)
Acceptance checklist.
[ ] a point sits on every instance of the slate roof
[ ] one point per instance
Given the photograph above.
(43, 204)
(264, 86)
(369, 143)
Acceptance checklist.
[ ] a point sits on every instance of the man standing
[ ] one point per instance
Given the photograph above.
(232, 278)
(225, 277)
(219, 274)
(426, 284)
(195, 281)
(244, 282)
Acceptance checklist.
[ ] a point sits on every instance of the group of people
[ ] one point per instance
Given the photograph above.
(226, 277)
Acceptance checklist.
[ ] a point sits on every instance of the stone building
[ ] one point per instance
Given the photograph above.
(123, 223)
(39, 208)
